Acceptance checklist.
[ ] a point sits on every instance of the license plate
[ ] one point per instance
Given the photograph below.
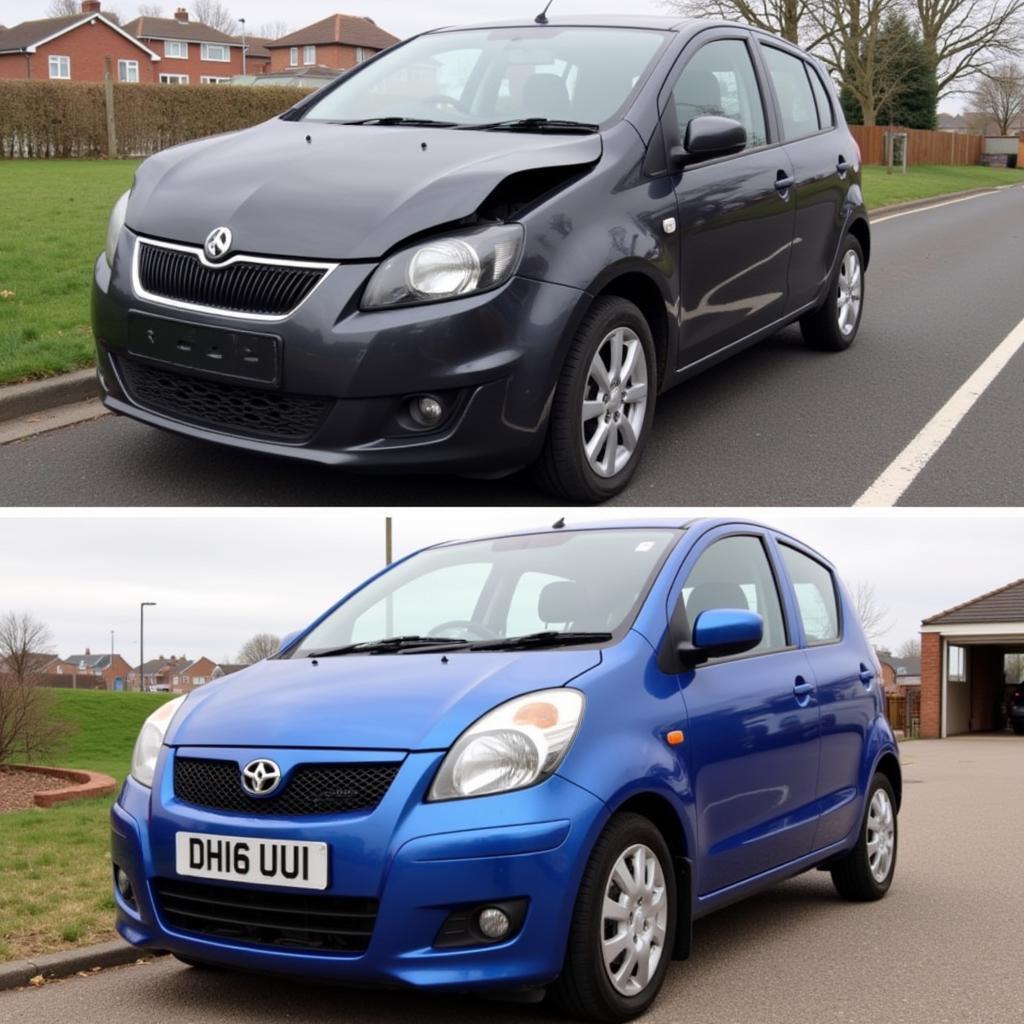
(235, 354)
(256, 861)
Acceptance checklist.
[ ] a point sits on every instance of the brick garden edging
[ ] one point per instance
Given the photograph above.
(84, 785)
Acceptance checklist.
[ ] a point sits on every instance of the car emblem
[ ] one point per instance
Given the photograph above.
(260, 777)
(218, 243)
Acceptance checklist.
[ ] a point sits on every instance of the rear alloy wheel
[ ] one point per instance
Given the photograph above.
(603, 405)
(833, 326)
(865, 873)
(620, 943)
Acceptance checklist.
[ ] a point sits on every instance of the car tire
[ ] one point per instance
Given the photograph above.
(585, 990)
(611, 325)
(822, 329)
(858, 877)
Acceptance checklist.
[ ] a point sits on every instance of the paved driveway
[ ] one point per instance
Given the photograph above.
(944, 946)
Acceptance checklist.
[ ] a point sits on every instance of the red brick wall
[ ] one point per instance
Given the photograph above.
(931, 685)
(87, 46)
(194, 66)
(332, 55)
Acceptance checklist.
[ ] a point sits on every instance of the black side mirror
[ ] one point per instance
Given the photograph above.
(720, 632)
(709, 136)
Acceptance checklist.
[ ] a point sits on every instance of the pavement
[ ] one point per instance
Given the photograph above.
(775, 425)
(943, 947)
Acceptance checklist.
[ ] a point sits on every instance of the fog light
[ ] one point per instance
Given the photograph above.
(494, 923)
(428, 410)
(124, 885)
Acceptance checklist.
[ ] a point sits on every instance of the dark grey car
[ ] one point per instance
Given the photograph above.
(487, 248)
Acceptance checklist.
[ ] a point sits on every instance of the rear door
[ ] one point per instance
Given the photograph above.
(821, 156)
(842, 664)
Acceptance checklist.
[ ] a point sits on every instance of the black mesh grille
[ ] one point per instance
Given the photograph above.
(234, 408)
(298, 920)
(309, 789)
(239, 287)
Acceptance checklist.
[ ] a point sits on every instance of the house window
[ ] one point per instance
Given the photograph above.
(127, 70)
(176, 48)
(309, 55)
(956, 669)
(360, 55)
(215, 51)
(213, 80)
(293, 56)
(174, 79)
(60, 67)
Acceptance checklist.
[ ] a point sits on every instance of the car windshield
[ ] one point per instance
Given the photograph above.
(489, 77)
(582, 582)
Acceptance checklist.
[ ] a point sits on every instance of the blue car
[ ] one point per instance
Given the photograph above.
(524, 762)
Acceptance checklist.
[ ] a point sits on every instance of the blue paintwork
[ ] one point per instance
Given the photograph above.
(725, 627)
(770, 780)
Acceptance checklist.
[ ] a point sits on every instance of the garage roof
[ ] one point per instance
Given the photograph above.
(1006, 604)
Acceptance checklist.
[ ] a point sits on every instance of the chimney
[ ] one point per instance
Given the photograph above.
(90, 6)
(181, 15)
(87, 652)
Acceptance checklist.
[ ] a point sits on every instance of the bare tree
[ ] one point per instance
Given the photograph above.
(272, 30)
(215, 14)
(262, 645)
(999, 95)
(787, 18)
(964, 37)
(27, 723)
(63, 8)
(910, 648)
(151, 11)
(874, 618)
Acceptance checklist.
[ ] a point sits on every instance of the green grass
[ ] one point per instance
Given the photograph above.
(53, 223)
(924, 181)
(55, 880)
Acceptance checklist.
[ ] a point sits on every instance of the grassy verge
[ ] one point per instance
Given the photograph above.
(924, 181)
(53, 222)
(55, 880)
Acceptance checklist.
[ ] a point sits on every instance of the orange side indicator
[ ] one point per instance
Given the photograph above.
(540, 713)
(675, 737)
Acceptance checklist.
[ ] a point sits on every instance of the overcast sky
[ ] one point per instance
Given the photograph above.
(218, 577)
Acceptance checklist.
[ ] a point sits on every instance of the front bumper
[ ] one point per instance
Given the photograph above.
(420, 860)
(495, 358)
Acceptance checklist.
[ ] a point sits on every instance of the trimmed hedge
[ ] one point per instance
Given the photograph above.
(68, 119)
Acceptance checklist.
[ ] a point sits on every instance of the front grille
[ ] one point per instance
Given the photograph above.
(233, 408)
(267, 289)
(309, 789)
(295, 920)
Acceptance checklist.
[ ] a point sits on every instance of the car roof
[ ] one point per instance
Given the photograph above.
(663, 23)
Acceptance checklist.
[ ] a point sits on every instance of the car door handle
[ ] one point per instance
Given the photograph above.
(783, 183)
(866, 674)
(802, 688)
(842, 167)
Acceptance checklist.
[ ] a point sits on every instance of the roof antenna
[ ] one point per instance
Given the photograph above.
(559, 524)
(542, 18)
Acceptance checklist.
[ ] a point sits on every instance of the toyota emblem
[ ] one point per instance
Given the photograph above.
(218, 243)
(260, 777)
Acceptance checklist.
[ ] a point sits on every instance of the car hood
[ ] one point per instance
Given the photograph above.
(382, 702)
(334, 192)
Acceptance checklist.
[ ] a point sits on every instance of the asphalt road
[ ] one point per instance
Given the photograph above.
(943, 947)
(776, 425)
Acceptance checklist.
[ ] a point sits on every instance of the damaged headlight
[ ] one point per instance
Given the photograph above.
(446, 267)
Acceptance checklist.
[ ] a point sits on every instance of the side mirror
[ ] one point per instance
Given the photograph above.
(708, 136)
(287, 640)
(719, 632)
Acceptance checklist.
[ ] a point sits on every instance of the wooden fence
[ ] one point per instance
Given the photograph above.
(923, 147)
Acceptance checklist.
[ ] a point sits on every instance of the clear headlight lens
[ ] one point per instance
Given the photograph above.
(513, 746)
(444, 268)
(151, 738)
(114, 225)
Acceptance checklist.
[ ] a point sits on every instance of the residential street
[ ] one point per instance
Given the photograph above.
(943, 946)
(776, 425)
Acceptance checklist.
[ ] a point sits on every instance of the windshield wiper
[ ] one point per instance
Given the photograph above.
(386, 644)
(549, 638)
(416, 122)
(532, 124)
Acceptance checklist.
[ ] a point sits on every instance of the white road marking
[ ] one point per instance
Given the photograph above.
(935, 206)
(904, 469)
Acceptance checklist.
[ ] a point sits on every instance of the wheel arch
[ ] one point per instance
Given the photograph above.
(860, 230)
(889, 765)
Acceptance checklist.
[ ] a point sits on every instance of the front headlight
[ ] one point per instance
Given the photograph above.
(114, 225)
(151, 738)
(513, 746)
(444, 268)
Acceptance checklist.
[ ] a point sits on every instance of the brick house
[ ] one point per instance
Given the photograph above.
(191, 53)
(103, 666)
(257, 56)
(157, 672)
(193, 674)
(964, 681)
(74, 48)
(339, 42)
(898, 673)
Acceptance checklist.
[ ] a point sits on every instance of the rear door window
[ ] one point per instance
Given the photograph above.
(815, 591)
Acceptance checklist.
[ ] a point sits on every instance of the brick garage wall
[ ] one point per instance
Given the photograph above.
(194, 66)
(931, 685)
(87, 45)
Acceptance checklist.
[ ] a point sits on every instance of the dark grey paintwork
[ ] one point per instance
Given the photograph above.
(744, 261)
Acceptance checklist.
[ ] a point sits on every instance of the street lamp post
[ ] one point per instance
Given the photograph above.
(143, 605)
(241, 21)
